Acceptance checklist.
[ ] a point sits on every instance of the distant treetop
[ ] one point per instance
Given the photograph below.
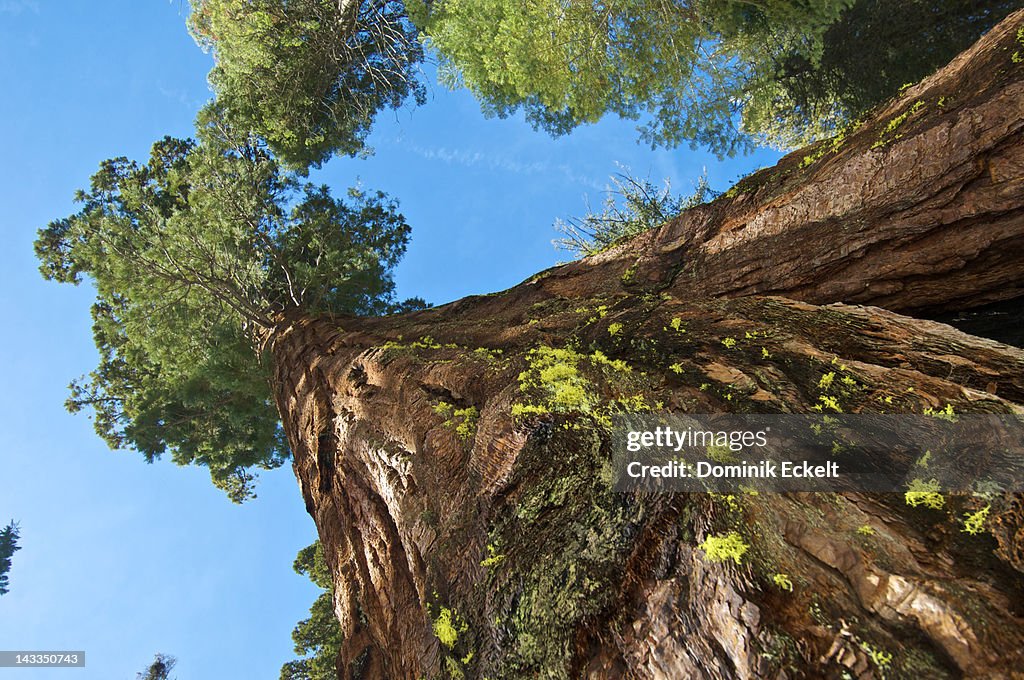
(8, 546)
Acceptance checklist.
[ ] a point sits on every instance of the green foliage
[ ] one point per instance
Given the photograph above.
(794, 72)
(318, 638)
(928, 494)
(8, 546)
(722, 548)
(631, 207)
(683, 64)
(861, 59)
(309, 75)
(160, 669)
(196, 256)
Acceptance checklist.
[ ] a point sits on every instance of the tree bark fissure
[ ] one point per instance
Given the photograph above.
(465, 540)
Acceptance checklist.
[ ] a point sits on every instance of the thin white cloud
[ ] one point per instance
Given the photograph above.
(499, 162)
(17, 7)
(178, 95)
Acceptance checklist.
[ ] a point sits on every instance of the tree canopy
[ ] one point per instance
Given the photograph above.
(309, 75)
(872, 50)
(569, 63)
(318, 638)
(160, 669)
(8, 546)
(195, 255)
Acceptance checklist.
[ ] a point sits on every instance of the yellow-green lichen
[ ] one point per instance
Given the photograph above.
(721, 453)
(783, 581)
(974, 522)
(720, 548)
(493, 558)
(448, 626)
(942, 414)
(466, 427)
(557, 383)
(629, 276)
(462, 420)
(881, 658)
(827, 402)
(889, 134)
(926, 493)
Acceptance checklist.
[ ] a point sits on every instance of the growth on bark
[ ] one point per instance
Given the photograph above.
(468, 523)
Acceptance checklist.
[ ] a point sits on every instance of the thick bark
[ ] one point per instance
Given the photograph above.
(922, 212)
(434, 504)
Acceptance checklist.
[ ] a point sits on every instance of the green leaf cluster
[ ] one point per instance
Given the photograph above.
(682, 64)
(723, 74)
(869, 53)
(8, 546)
(160, 669)
(632, 206)
(196, 256)
(309, 75)
(318, 638)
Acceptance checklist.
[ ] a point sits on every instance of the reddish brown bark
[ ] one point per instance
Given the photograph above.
(925, 216)
(588, 583)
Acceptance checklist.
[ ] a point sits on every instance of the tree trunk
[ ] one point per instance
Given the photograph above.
(466, 541)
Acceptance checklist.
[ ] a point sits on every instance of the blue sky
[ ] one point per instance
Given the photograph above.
(124, 559)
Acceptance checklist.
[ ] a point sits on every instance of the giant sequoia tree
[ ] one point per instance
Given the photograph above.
(454, 459)
(455, 462)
